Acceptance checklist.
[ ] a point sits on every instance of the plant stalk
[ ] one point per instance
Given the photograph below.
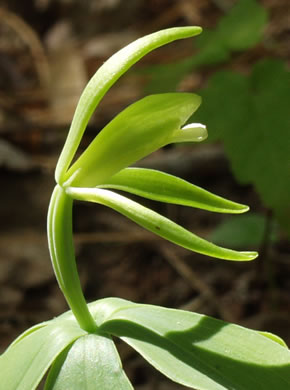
(61, 247)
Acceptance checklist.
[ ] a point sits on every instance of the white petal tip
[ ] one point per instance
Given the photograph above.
(193, 132)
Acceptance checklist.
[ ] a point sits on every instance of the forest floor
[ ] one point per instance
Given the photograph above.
(48, 50)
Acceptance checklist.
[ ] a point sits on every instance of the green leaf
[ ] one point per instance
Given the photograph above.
(198, 351)
(92, 363)
(140, 129)
(102, 81)
(166, 77)
(246, 231)
(254, 122)
(237, 30)
(163, 187)
(26, 333)
(157, 224)
(270, 171)
(226, 105)
(275, 338)
(212, 49)
(24, 364)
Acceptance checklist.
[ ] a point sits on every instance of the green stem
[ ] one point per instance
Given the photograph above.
(59, 231)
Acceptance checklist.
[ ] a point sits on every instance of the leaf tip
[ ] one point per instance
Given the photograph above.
(196, 29)
(188, 31)
(249, 255)
(239, 208)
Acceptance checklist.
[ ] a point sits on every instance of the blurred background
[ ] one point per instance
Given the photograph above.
(49, 49)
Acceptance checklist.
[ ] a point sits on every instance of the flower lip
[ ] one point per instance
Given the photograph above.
(192, 132)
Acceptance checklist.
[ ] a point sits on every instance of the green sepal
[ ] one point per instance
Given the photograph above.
(91, 363)
(156, 185)
(102, 81)
(137, 131)
(156, 223)
(25, 363)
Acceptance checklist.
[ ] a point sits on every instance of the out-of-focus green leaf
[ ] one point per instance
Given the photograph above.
(251, 116)
(270, 170)
(246, 231)
(165, 78)
(140, 129)
(212, 49)
(163, 187)
(239, 29)
(92, 363)
(102, 81)
(195, 350)
(226, 105)
(157, 224)
(34, 354)
(236, 31)
(243, 26)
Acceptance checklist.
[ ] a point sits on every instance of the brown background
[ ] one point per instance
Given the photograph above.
(48, 51)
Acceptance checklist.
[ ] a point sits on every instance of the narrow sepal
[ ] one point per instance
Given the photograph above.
(157, 224)
(163, 187)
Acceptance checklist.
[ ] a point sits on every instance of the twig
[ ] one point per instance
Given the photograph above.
(130, 236)
(194, 280)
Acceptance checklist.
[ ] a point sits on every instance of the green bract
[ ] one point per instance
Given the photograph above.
(191, 349)
(97, 357)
